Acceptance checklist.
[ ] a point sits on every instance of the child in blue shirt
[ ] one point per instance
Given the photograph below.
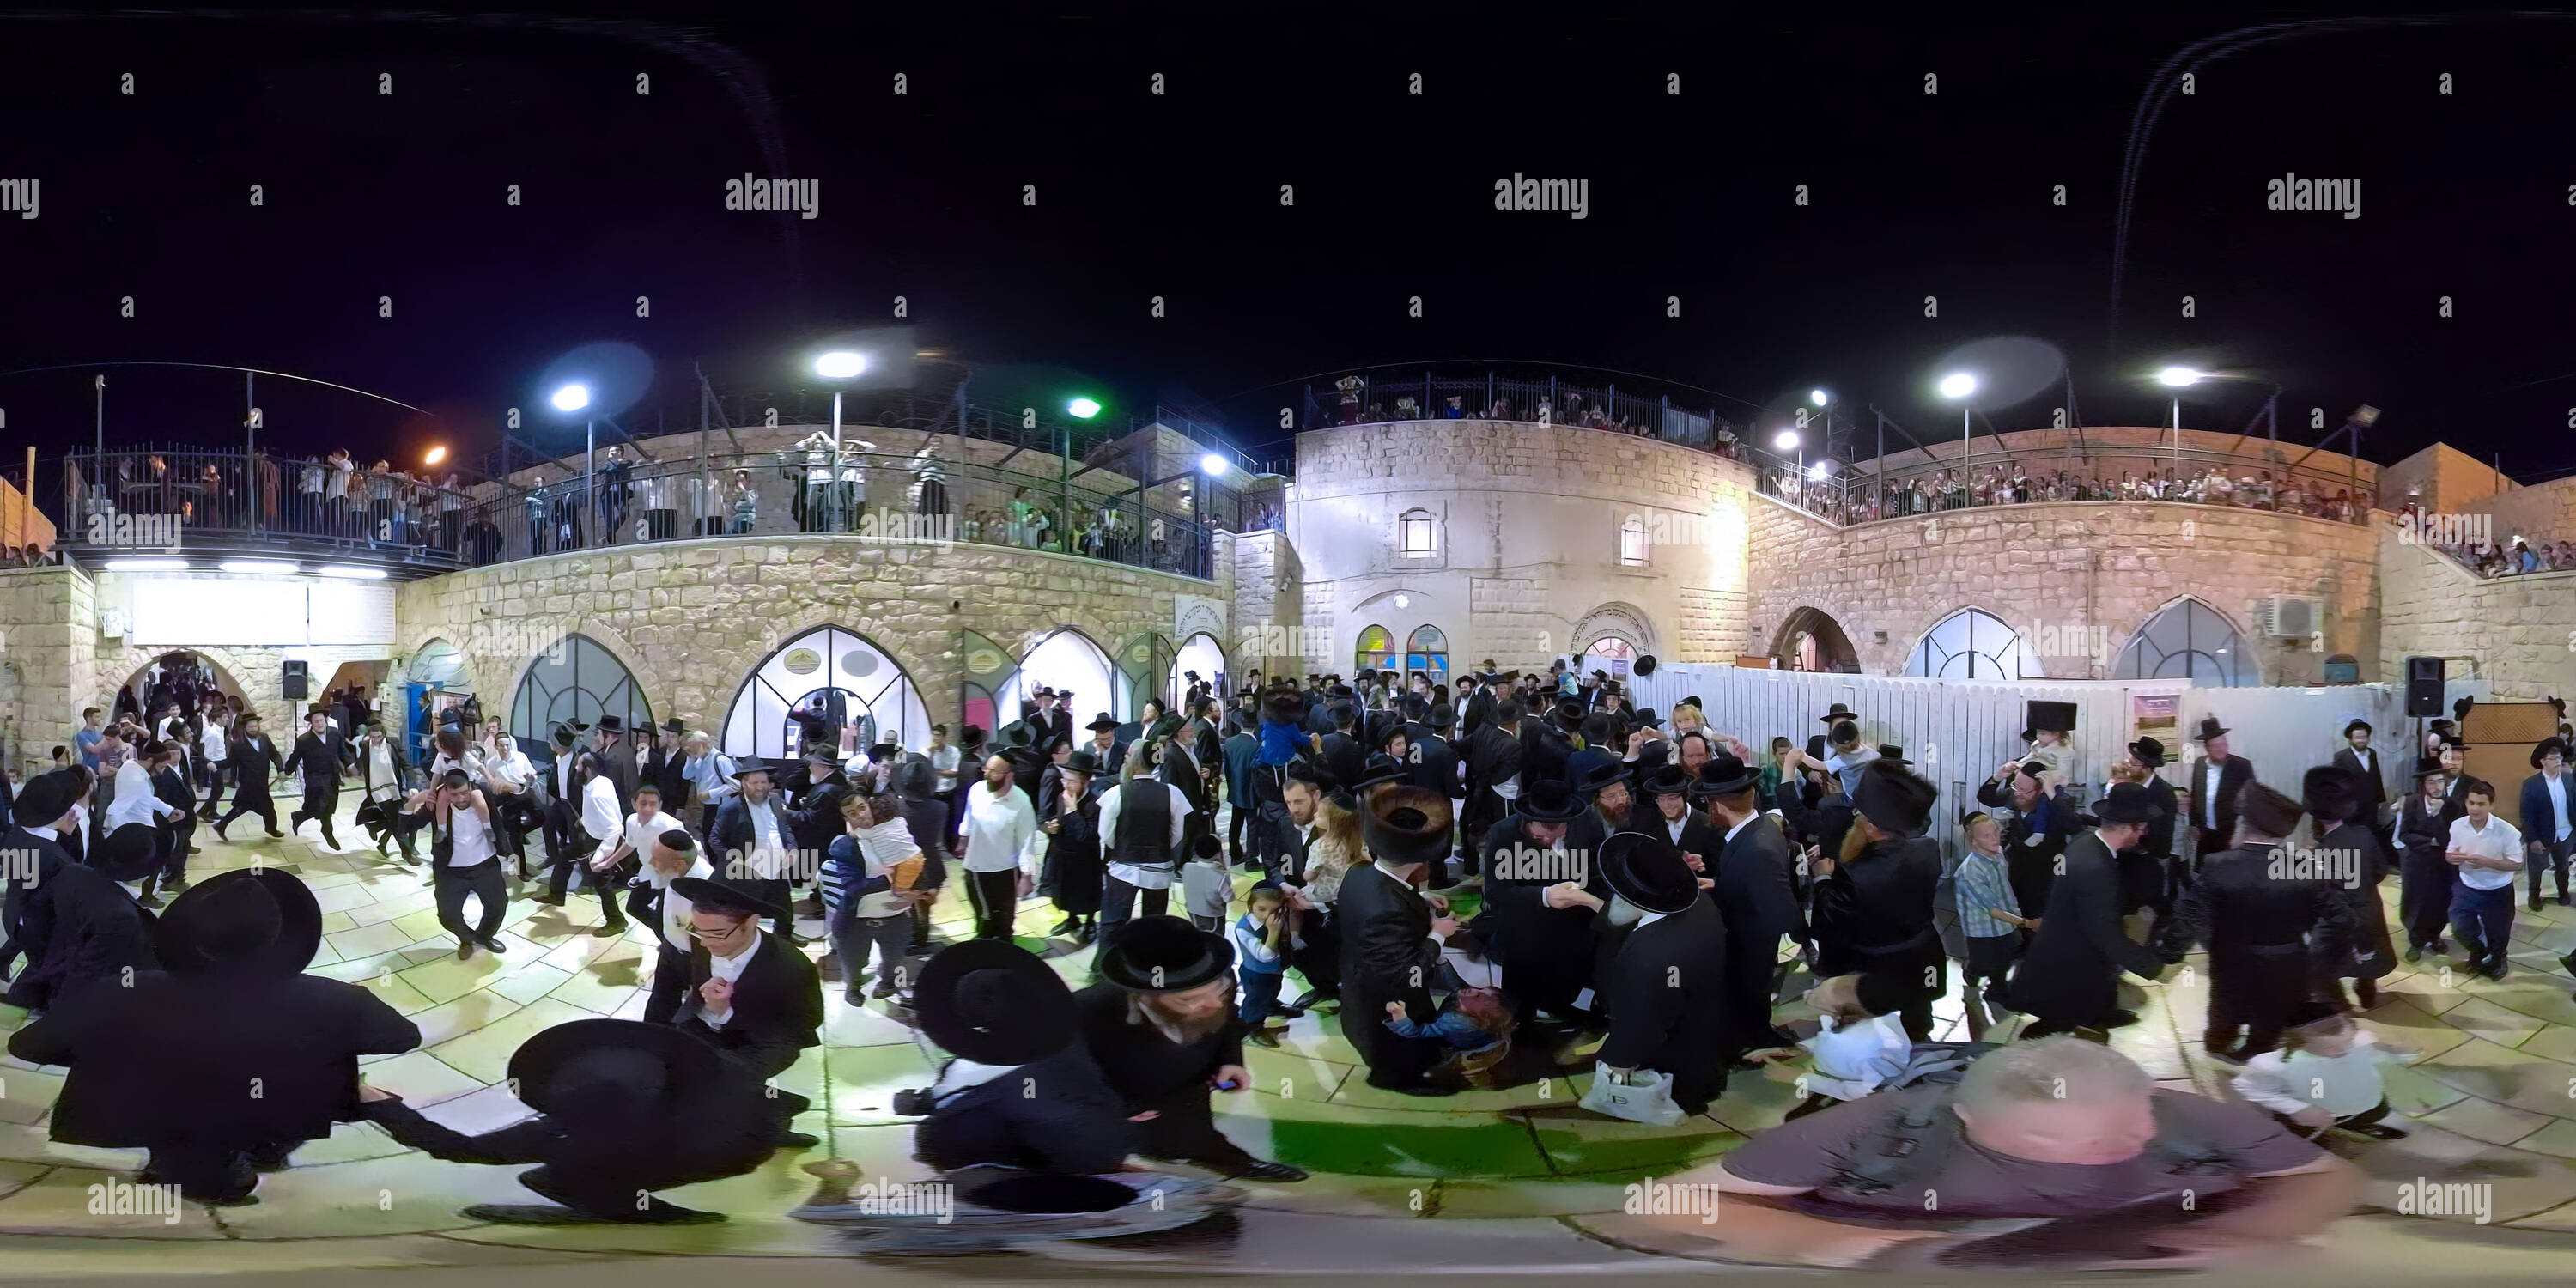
(1261, 944)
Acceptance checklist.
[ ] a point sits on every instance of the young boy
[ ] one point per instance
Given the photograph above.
(1261, 958)
(2487, 851)
(2325, 1076)
(1206, 887)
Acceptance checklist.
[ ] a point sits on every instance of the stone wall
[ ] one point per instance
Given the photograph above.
(690, 619)
(2441, 478)
(2541, 512)
(1527, 557)
(2076, 579)
(2520, 632)
(48, 629)
(1269, 606)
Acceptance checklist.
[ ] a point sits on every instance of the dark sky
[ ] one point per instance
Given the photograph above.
(368, 195)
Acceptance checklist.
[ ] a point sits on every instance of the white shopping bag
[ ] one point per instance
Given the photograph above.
(1642, 1096)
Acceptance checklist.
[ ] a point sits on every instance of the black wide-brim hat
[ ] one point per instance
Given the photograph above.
(753, 765)
(1894, 798)
(1668, 780)
(673, 725)
(1723, 775)
(46, 797)
(2149, 752)
(1548, 801)
(1839, 714)
(1439, 717)
(209, 912)
(2125, 803)
(2209, 728)
(611, 724)
(1597, 775)
(130, 853)
(1649, 871)
(1084, 761)
(994, 1002)
(1408, 825)
(1379, 770)
(1102, 721)
(691, 1068)
(2331, 794)
(2547, 745)
(2427, 766)
(1164, 955)
(718, 897)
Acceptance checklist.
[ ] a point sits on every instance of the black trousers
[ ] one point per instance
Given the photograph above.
(2363, 1119)
(579, 857)
(211, 776)
(484, 882)
(1118, 903)
(245, 802)
(563, 831)
(176, 837)
(2253, 992)
(1238, 822)
(2424, 898)
(517, 816)
(670, 984)
(995, 897)
(320, 803)
(2555, 860)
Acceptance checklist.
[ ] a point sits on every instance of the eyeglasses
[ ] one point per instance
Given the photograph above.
(728, 933)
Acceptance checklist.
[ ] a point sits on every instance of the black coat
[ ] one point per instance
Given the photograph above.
(1547, 954)
(1141, 1066)
(2032, 841)
(1492, 756)
(1432, 764)
(168, 1059)
(1074, 865)
(77, 927)
(1668, 1004)
(1387, 956)
(1056, 1115)
(2232, 777)
(622, 768)
(322, 757)
(2071, 975)
(34, 859)
(1344, 757)
(2374, 775)
(1874, 913)
(1478, 713)
(2368, 953)
(668, 771)
(242, 757)
(777, 1008)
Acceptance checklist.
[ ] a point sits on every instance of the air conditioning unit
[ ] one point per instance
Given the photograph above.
(2293, 616)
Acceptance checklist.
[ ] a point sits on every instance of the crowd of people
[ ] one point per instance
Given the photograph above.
(1508, 878)
(1860, 497)
(334, 496)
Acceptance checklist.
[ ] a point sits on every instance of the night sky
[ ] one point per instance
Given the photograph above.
(2469, 195)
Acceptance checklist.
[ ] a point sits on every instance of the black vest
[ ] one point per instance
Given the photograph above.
(1144, 837)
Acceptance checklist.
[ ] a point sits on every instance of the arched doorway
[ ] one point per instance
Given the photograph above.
(183, 676)
(577, 681)
(433, 682)
(2188, 640)
(829, 684)
(1611, 653)
(1066, 659)
(1811, 640)
(1973, 644)
(1200, 653)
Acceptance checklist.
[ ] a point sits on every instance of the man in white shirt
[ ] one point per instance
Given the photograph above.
(210, 755)
(464, 859)
(135, 801)
(2547, 830)
(998, 825)
(1142, 824)
(600, 828)
(2487, 851)
(669, 856)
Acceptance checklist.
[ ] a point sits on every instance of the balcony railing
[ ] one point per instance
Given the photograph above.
(1858, 493)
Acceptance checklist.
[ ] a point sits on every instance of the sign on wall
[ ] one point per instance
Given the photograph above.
(180, 610)
(1197, 615)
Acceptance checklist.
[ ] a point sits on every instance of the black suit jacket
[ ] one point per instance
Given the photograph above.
(1478, 713)
(1492, 756)
(2346, 761)
(1757, 886)
(1433, 764)
(1667, 1002)
(2232, 778)
(1387, 953)
(620, 765)
(325, 752)
(1344, 757)
(777, 1008)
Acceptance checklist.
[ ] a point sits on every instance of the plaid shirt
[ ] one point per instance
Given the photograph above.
(1985, 888)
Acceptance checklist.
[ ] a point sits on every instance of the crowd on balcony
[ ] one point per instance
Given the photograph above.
(1858, 498)
(330, 496)
(1568, 407)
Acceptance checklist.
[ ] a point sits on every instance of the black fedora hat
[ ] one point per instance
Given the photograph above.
(971, 738)
(2541, 750)
(994, 1002)
(2332, 795)
(2149, 752)
(1667, 780)
(1894, 798)
(753, 765)
(1568, 714)
(2048, 717)
(1644, 665)
(2209, 728)
(264, 920)
(673, 725)
(1723, 775)
(1597, 775)
(2427, 766)
(1379, 769)
(1102, 721)
(611, 724)
(1839, 714)
(1407, 825)
(1439, 717)
(718, 897)
(558, 1064)
(883, 750)
(1083, 761)
(2125, 803)
(1548, 801)
(1163, 955)
(1648, 870)
(45, 798)
(130, 853)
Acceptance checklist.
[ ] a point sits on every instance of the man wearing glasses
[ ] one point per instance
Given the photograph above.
(752, 997)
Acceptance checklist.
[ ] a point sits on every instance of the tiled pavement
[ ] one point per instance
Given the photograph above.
(1509, 1175)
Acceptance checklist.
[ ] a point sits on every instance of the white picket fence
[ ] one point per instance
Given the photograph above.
(1958, 732)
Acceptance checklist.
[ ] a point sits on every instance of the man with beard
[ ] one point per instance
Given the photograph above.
(1341, 751)
(2345, 814)
(1542, 940)
(1493, 776)
(2216, 783)
(1391, 937)
(2423, 875)
(1874, 899)
(321, 753)
(1603, 783)
(2254, 906)
(667, 767)
(2547, 827)
(1161, 1025)
(616, 753)
(753, 841)
(2148, 878)
(2070, 978)
(1756, 893)
(44, 816)
(1668, 994)
(2037, 825)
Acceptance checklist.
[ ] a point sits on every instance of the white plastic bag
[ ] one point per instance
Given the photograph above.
(1641, 1096)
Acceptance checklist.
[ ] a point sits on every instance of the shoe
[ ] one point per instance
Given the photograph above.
(1089, 933)
(1305, 1001)
(2379, 1131)
(174, 885)
(275, 835)
(549, 900)
(2415, 952)
(193, 851)
(609, 931)
(797, 1140)
(1288, 1012)
(464, 949)
(1264, 1170)
(148, 901)
(219, 832)
(854, 997)
(2564, 901)
(1262, 1038)
(1067, 926)
(2496, 971)
(2535, 901)
(882, 991)
(491, 944)
(794, 940)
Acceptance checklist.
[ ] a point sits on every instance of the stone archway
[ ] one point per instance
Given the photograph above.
(1811, 640)
(1616, 619)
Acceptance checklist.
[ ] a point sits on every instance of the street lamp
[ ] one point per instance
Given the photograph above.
(840, 365)
(573, 398)
(436, 454)
(1959, 385)
(1788, 440)
(1213, 465)
(1083, 408)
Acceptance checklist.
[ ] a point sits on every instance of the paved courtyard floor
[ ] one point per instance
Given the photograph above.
(1517, 1179)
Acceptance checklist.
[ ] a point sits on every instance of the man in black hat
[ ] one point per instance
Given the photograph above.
(1180, 766)
(2216, 781)
(322, 753)
(616, 753)
(2548, 823)
(2254, 905)
(2069, 981)
(1756, 891)
(1241, 753)
(754, 843)
(1162, 1026)
(2424, 875)
(1669, 1003)
(1494, 762)
(650, 902)
(1073, 877)
(2037, 821)
(78, 924)
(623, 1108)
(752, 996)
(2358, 758)
(1544, 943)
(1391, 935)
(1874, 898)
(225, 1063)
(2340, 802)
(1023, 1091)
(1429, 755)
(667, 767)
(2150, 875)
(1341, 751)
(252, 757)
(1475, 707)
(45, 814)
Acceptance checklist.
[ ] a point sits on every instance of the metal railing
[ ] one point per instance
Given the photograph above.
(1383, 399)
(151, 497)
(1860, 493)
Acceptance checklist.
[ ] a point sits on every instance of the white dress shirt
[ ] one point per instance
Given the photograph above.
(2209, 772)
(213, 742)
(675, 905)
(2557, 788)
(134, 801)
(998, 827)
(729, 969)
(599, 808)
(1142, 878)
(2497, 840)
(768, 840)
(472, 840)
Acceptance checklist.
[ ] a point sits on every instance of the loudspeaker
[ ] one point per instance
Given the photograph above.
(298, 682)
(2424, 686)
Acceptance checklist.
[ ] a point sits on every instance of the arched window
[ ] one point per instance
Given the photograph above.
(1427, 650)
(1609, 653)
(2189, 640)
(577, 681)
(1200, 653)
(1632, 541)
(1064, 660)
(1973, 644)
(1416, 536)
(837, 684)
(1377, 648)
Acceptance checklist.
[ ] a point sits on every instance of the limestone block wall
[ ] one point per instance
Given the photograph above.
(1269, 605)
(2541, 512)
(48, 630)
(690, 619)
(2520, 632)
(2441, 478)
(1527, 559)
(2076, 579)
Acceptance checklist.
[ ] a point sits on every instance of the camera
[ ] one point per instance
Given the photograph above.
(914, 1102)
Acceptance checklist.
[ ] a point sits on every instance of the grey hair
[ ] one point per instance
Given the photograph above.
(2055, 1068)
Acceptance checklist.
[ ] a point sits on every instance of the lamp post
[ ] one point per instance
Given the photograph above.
(1961, 385)
(838, 366)
(572, 398)
(1789, 440)
(2178, 379)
